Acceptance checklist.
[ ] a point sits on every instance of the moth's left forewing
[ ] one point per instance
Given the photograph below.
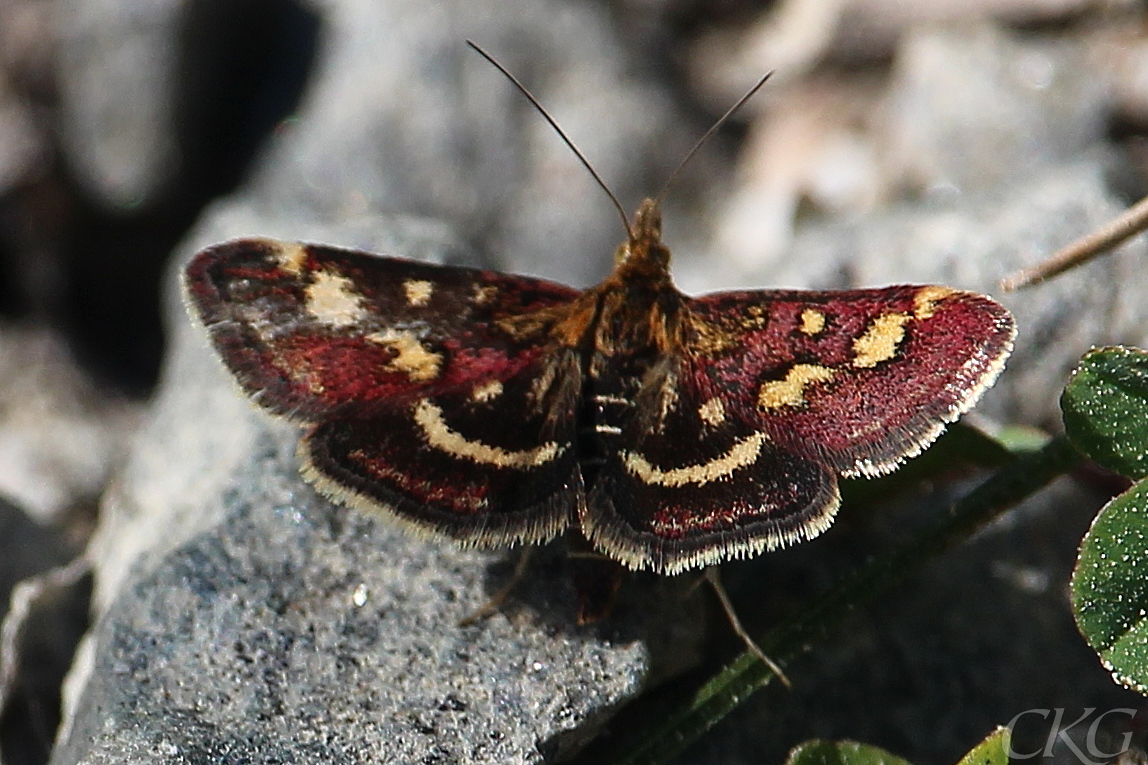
(738, 434)
(860, 379)
(311, 331)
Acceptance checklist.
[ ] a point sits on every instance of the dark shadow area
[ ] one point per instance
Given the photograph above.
(56, 620)
(97, 272)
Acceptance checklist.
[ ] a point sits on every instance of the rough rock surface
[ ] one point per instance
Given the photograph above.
(295, 631)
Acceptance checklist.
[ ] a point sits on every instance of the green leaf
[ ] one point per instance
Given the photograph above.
(1110, 587)
(1020, 439)
(1105, 409)
(992, 751)
(817, 752)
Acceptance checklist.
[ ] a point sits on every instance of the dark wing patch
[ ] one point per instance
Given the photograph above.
(688, 486)
(488, 469)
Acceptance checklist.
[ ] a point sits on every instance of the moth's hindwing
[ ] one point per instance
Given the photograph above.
(490, 465)
(692, 484)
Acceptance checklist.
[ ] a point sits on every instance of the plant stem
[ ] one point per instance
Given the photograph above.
(747, 673)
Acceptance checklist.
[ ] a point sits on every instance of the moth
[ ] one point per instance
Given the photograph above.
(672, 432)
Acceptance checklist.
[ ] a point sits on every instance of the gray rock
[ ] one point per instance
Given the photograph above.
(296, 631)
(117, 65)
(974, 109)
(60, 435)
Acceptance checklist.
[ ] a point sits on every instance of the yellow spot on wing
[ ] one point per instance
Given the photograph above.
(440, 436)
(331, 299)
(486, 391)
(741, 454)
(926, 299)
(292, 256)
(411, 356)
(812, 321)
(418, 291)
(713, 412)
(776, 394)
(712, 339)
(880, 341)
(484, 294)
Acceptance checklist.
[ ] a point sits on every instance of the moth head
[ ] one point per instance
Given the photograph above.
(647, 221)
(643, 250)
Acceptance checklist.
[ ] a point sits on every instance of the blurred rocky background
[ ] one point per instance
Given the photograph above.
(233, 615)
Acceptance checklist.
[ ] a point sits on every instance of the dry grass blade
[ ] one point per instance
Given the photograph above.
(1104, 239)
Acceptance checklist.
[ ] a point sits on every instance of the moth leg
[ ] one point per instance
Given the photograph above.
(496, 601)
(596, 579)
(713, 577)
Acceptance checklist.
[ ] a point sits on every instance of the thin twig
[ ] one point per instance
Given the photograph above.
(1133, 221)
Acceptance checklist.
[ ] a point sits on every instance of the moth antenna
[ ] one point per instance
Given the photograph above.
(708, 134)
(561, 133)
